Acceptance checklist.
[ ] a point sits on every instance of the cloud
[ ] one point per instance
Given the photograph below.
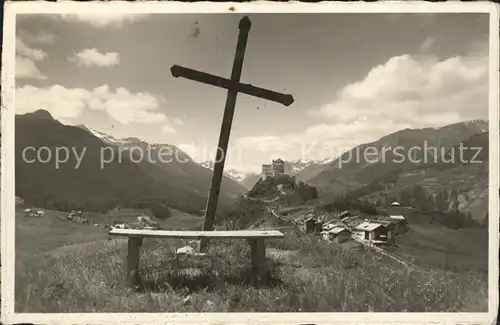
(41, 37)
(92, 57)
(61, 102)
(26, 69)
(169, 129)
(103, 20)
(420, 92)
(121, 105)
(33, 54)
(25, 65)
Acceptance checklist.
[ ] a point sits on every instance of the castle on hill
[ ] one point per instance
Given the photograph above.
(277, 167)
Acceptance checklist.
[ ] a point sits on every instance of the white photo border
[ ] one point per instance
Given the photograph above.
(8, 316)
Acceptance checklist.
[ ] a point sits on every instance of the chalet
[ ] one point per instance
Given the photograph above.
(336, 234)
(345, 214)
(375, 233)
(391, 228)
(400, 222)
(312, 226)
(328, 226)
(318, 227)
(309, 225)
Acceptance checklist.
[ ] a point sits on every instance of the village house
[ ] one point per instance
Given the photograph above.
(345, 214)
(32, 212)
(389, 224)
(400, 222)
(318, 227)
(309, 225)
(312, 226)
(375, 233)
(395, 208)
(336, 234)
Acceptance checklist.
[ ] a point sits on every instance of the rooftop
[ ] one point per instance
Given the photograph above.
(368, 226)
(336, 230)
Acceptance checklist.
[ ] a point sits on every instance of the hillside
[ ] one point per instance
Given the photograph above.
(461, 185)
(88, 185)
(352, 170)
(178, 166)
(284, 189)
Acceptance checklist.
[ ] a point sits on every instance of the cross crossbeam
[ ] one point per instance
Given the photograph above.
(233, 86)
(210, 79)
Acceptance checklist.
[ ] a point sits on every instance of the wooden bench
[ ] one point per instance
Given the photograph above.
(256, 239)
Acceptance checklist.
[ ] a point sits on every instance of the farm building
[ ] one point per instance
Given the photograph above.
(336, 234)
(34, 213)
(401, 225)
(328, 226)
(375, 233)
(313, 226)
(309, 225)
(345, 214)
(318, 227)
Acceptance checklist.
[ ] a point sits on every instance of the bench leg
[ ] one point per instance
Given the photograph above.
(133, 277)
(258, 252)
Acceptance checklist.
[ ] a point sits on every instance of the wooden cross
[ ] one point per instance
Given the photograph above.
(233, 86)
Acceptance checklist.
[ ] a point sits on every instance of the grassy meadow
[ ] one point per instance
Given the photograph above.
(306, 275)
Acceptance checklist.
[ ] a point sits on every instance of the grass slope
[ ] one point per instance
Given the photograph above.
(307, 275)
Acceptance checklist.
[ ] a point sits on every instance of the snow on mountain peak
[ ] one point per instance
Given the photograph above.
(106, 138)
(232, 173)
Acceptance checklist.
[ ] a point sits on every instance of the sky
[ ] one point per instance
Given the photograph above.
(354, 78)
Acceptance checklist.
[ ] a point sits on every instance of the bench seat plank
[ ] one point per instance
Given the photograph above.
(232, 234)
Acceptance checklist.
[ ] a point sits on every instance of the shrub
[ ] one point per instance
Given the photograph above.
(160, 211)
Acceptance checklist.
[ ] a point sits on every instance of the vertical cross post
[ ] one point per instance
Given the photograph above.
(233, 86)
(227, 121)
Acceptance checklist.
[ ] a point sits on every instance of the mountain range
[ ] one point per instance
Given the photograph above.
(447, 184)
(389, 173)
(126, 180)
(183, 183)
(353, 170)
